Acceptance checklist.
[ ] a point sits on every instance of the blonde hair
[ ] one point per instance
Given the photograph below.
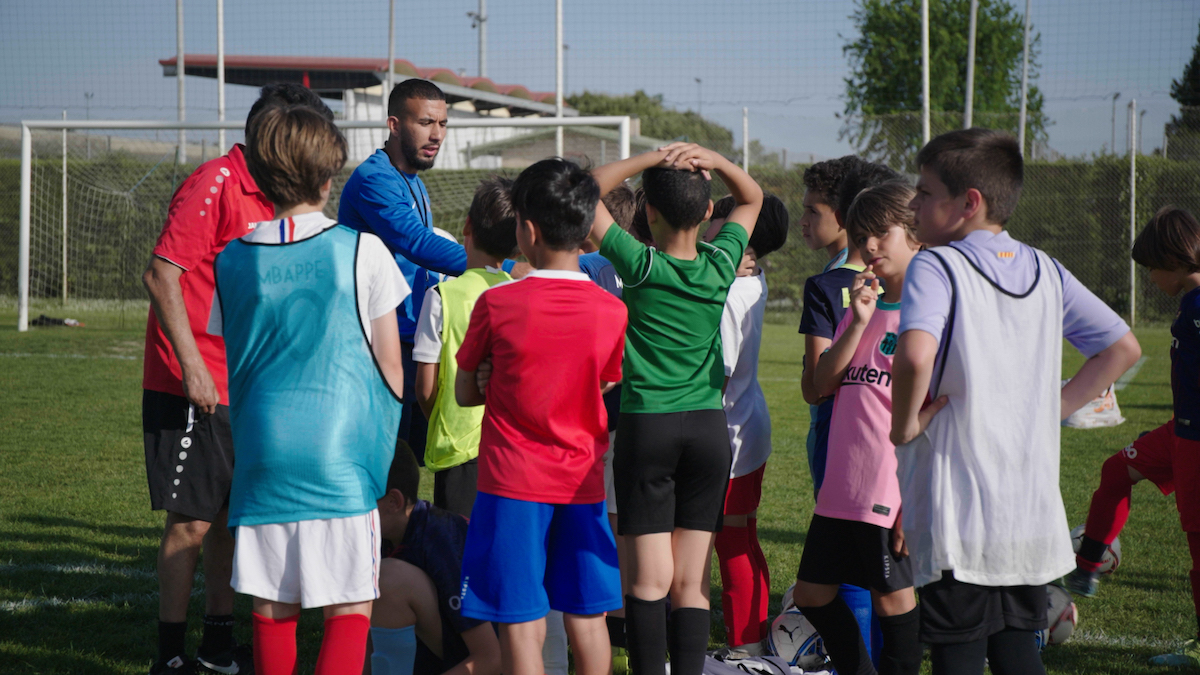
(291, 151)
(878, 208)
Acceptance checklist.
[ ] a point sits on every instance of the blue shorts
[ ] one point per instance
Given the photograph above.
(523, 559)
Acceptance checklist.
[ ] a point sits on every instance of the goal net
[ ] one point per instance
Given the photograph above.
(97, 193)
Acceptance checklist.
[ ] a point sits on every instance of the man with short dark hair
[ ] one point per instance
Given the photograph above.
(185, 399)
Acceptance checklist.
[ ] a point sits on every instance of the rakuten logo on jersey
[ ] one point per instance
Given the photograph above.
(867, 375)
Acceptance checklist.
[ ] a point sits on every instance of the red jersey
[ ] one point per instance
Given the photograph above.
(553, 337)
(218, 203)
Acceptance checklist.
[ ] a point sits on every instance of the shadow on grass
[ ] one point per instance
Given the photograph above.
(1094, 658)
(1146, 406)
(1147, 581)
(130, 531)
(780, 536)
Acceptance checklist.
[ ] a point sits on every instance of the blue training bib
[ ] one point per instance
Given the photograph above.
(314, 422)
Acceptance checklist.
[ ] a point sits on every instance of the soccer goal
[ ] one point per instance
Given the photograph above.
(94, 194)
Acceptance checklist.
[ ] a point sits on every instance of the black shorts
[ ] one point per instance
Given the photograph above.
(953, 612)
(671, 471)
(454, 652)
(454, 489)
(189, 456)
(851, 552)
(413, 426)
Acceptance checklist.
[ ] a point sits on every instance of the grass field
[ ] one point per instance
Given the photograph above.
(78, 540)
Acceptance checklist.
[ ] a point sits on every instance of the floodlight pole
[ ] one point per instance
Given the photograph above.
(482, 19)
(181, 152)
(925, 133)
(969, 108)
(1024, 82)
(64, 212)
(23, 230)
(1133, 120)
(221, 73)
(558, 75)
(391, 73)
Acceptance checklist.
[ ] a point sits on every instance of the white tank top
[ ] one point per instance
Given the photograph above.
(980, 486)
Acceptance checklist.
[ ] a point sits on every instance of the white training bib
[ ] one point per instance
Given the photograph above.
(980, 486)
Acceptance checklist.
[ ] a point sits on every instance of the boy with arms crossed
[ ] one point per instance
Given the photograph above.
(745, 579)
(672, 461)
(452, 445)
(981, 324)
(417, 626)
(307, 309)
(849, 540)
(539, 536)
(1169, 246)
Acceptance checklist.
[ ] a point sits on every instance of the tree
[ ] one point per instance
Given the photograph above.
(1183, 131)
(656, 121)
(883, 92)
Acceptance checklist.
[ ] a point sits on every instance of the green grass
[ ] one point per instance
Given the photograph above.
(78, 540)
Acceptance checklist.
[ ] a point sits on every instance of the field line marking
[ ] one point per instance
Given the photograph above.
(22, 355)
(79, 568)
(14, 606)
(1129, 374)
(778, 379)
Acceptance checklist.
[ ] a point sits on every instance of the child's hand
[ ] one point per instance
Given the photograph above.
(863, 294)
(482, 374)
(689, 156)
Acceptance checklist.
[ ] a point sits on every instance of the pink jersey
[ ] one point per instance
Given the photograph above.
(860, 472)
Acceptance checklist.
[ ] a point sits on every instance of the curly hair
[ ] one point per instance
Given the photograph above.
(823, 179)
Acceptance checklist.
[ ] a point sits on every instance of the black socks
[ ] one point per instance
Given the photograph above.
(687, 639)
(171, 640)
(843, 641)
(901, 654)
(646, 635)
(1092, 550)
(218, 634)
(616, 631)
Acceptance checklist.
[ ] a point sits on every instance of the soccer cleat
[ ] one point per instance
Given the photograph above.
(1082, 583)
(236, 661)
(176, 666)
(1189, 655)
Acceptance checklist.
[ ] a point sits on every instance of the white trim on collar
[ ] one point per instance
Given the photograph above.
(559, 274)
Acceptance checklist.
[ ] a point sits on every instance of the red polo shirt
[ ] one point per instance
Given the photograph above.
(553, 337)
(218, 203)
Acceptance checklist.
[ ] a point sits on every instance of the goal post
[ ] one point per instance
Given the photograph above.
(104, 198)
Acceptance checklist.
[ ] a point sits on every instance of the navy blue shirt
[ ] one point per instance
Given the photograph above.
(600, 270)
(1185, 366)
(434, 542)
(380, 199)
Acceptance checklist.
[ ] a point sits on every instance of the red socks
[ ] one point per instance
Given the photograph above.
(1109, 510)
(746, 584)
(344, 647)
(275, 645)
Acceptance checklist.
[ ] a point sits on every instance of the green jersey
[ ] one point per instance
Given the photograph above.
(673, 342)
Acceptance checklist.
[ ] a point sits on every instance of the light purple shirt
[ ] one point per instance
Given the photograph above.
(1088, 324)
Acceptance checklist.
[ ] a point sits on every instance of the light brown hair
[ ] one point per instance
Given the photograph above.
(620, 205)
(1169, 242)
(493, 220)
(291, 151)
(878, 208)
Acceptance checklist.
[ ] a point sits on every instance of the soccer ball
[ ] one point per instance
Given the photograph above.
(788, 601)
(1061, 617)
(793, 639)
(1112, 557)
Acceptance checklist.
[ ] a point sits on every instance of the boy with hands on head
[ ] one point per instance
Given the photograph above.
(673, 456)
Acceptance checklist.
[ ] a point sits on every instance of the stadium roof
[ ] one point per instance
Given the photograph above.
(329, 76)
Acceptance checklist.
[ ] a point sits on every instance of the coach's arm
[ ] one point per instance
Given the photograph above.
(161, 279)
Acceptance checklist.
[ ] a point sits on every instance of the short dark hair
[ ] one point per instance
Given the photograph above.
(404, 475)
(560, 197)
(291, 151)
(987, 160)
(878, 208)
(859, 177)
(620, 204)
(287, 93)
(412, 88)
(1169, 242)
(771, 229)
(681, 196)
(639, 226)
(493, 220)
(824, 178)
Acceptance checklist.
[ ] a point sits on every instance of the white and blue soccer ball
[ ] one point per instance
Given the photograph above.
(1112, 556)
(793, 639)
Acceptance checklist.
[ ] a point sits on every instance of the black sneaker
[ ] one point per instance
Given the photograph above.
(1082, 583)
(236, 661)
(176, 666)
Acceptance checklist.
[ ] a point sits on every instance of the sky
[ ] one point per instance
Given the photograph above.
(781, 59)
